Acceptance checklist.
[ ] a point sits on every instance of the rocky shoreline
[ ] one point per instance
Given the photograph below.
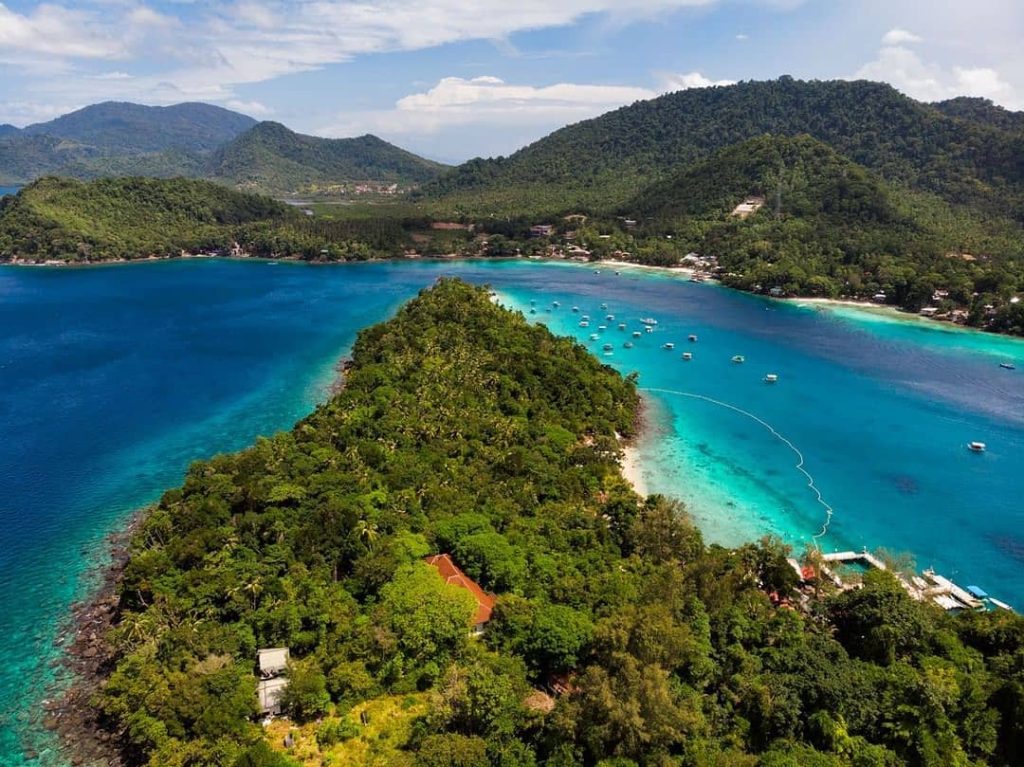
(88, 657)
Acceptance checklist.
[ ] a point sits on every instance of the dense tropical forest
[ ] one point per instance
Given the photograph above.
(618, 638)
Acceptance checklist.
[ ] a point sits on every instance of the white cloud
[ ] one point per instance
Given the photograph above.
(52, 30)
(251, 108)
(897, 36)
(682, 82)
(926, 80)
(742, 37)
(489, 101)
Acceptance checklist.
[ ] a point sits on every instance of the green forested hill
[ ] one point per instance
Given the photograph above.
(124, 128)
(126, 218)
(797, 176)
(271, 157)
(599, 163)
(464, 429)
(200, 141)
(830, 227)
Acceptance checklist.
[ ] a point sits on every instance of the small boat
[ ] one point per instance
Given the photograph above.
(636, 334)
(1007, 366)
(597, 271)
(670, 346)
(610, 318)
(628, 344)
(771, 378)
(555, 304)
(532, 302)
(692, 338)
(999, 604)
(585, 317)
(622, 326)
(604, 307)
(594, 336)
(607, 347)
(648, 321)
(617, 273)
(602, 327)
(687, 356)
(575, 308)
(739, 358)
(584, 324)
(649, 329)
(976, 447)
(533, 311)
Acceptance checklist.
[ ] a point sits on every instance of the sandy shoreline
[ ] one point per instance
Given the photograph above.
(633, 471)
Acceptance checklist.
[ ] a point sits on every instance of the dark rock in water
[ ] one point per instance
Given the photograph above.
(906, 484)
(1009, 545)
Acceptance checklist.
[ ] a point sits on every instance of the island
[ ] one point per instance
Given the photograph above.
(443, 565)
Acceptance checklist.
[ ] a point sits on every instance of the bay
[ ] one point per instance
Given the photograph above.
(112, 379)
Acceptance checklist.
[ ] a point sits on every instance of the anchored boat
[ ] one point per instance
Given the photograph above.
(739, 358)
(771, 378)
(976, 447)
(1007, 366)
(670, 346)
(692, 338)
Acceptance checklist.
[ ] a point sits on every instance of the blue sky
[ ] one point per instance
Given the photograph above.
(453, 79)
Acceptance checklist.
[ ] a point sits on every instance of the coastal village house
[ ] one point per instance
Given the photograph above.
(453, 575)
(273, 664)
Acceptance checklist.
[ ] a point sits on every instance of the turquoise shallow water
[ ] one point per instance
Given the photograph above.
(112, 379)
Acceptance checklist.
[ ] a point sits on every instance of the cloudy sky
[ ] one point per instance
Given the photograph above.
(457, 78)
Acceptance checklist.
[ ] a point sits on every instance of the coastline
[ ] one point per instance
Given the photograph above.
(891, 313)
(89, 659)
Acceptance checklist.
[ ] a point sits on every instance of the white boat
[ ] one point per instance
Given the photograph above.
(555, 304)
(976, 447)
(607, 347)
(648, 321)
(604, 306)
(692, 337)
(622, 326)
(584, 324)
(649, 329)
(594, 336)
(687, 356)
(670, 346)
(636, 334)
(585, 317)
(739, 358)
(1007, 366)
(602, 327)
(533, 311)
(575, 308)
(628, 344)
(771, 378)
(610, 318)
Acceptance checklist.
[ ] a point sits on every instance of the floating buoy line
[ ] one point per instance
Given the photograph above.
(829, 511)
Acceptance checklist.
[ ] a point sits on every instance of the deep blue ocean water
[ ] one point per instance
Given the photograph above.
(112, 379)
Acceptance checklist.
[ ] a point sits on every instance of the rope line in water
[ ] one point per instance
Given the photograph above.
(829, 511)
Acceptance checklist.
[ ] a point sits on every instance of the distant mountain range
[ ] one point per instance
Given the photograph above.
(202, 141)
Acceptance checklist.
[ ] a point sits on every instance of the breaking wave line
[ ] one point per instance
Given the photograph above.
(829, 511)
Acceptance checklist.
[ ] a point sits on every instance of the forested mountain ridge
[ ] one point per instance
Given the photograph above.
(271, 157)
(464, 429)
(201, 141)
(127, 128)
(597, 164)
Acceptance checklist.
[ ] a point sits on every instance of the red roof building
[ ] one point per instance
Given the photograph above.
(453, 575)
